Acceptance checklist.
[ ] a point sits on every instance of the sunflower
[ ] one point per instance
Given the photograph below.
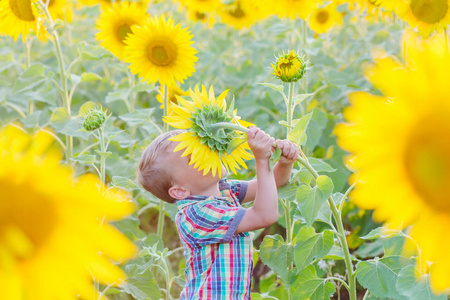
(292, 9)
(52, 239)
(21, 17)
(399, 146)
(60, 9)
(426, 15)
(208, 149)
(289, 67)
(201, 16)
(174, 91)
(201, 5)
(323, 19)
(160, 51)
(114, 25)
(238, 14)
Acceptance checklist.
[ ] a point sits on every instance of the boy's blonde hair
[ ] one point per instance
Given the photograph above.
(152, 174)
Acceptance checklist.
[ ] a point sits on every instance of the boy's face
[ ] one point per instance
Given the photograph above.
(186, 175)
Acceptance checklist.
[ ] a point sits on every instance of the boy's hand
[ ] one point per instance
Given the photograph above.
(260, 143)
(289, 153)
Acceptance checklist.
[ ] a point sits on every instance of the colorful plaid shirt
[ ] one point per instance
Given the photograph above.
(218, 260)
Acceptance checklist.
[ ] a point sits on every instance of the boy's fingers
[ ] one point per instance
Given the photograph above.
(279, 144)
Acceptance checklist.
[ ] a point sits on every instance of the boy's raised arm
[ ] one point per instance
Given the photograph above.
(264, 211)
(281, 171)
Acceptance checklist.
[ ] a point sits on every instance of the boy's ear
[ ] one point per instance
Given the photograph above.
(178, 193)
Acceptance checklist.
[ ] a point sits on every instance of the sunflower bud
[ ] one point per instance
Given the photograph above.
(94, 119)
(289, 67)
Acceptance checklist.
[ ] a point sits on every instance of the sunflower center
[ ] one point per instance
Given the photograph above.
(27, 219)
(429, 11)
(427, 162)
(22, 9)
(322, 17)
(200, 15)
(162, 52)
(238, 12)
(122, 31)
(208, 115)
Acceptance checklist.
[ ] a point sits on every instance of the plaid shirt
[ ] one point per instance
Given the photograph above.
(218, 261)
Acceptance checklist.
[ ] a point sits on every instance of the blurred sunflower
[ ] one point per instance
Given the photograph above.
(208, 149)
(160, 51)
(426, 15)
(323, 19)
(21, 17)
(114, 25)
(201, 5)
(201, 16)
(60, 9)
(174, 91)
(52, 242)
(399, 147)
(239, 14)
(292, 9)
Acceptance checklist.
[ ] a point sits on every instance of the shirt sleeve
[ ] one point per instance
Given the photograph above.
(239, 189)
(209, 222)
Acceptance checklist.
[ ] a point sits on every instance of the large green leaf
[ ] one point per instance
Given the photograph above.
(308, 286)
(298, 134)
(310, 245)
(310, 200)
(142, 286)
(315, 128)
(415, 289)
(380, 276)
(277, 255)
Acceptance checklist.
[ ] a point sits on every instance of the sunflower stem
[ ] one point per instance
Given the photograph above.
(161, 215)
(341, 235)
(65, 94)
(102, 159)
(28, 42)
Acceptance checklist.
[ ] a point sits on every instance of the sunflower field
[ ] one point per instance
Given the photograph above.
(361, 86)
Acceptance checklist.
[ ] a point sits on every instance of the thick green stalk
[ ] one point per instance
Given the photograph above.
(102, 159)
(160, 228)
(341, 236)
(289, 124)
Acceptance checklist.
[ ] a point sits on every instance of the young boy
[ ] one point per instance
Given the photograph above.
(212, 224)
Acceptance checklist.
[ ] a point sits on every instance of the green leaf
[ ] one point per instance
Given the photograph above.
(277, 255)
(124, 182)
(337, 253)
(298, 134)
(415, 289)
(393, 245)
(32, 78)
(84, 159)
(310, 200)
(92, 52)
(117, 95)
(142, 86)
(378, 232)
(87, 106)
(103, 154)
(299, 98)
(315, 128)
(310, 245)
(308, 286)
(380, 276)
(66, 124)
(138, 117)
(87, 76)
(143, 287)
(275, 87)
(319, 165)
